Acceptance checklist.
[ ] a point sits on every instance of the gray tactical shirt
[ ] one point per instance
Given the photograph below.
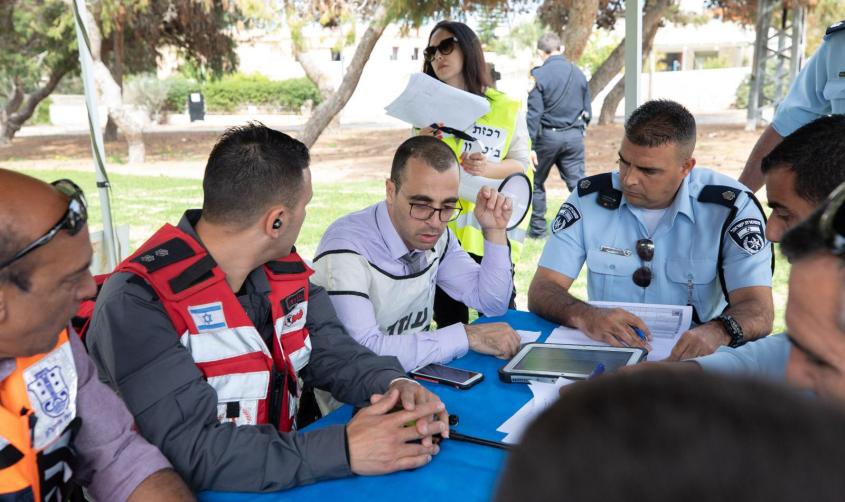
(137, 352)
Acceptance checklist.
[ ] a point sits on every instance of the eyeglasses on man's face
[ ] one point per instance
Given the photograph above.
(424, 212)
(73, 220)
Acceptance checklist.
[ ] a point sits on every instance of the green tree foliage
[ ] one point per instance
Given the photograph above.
(38, 50)
(521, 36)
(200, 30)
(237, 91)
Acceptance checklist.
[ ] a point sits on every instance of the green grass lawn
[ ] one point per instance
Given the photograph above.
(146, 202)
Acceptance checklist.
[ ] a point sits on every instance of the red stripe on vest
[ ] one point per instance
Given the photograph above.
(213, 325)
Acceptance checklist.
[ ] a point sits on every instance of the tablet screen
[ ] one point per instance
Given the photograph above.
(570, 361)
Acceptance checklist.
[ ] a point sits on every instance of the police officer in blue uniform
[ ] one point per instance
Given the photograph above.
(661, 231)
(819, 89)
(558, 112)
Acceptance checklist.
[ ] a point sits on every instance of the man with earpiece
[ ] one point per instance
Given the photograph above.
(211, 331)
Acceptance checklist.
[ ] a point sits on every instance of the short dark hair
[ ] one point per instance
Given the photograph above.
(476, 73)
(434, 152)
(816, 154)
(549, 42)
(18, 273)
(660, 122)
(251, 168)
(664, 435)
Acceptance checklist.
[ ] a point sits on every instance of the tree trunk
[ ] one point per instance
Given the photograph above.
(611, 101)
(582, 17)
(110, 91)
(325, 112)
(110, 133)
(16, 95)
(313, 72)
(614, 63)
(20, 108)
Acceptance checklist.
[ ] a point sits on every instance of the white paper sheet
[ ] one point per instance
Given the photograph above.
(528, 336)
(427, 101)
(665, 322)
(545, 394)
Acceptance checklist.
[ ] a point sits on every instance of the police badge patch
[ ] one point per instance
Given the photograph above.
(566, 217)
(748, 235)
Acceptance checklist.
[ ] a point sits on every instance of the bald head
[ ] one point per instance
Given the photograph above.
(28, 208)
(41, 291)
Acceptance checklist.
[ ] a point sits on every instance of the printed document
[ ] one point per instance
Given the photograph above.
(544, 395)
(666, 322)
(427, 101)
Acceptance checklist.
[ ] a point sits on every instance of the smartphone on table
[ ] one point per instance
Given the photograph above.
(439, 373)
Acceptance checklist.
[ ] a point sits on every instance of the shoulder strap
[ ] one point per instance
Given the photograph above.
(173, 263)
(608, 198)
(726, 196)
(290, 267)
(835, 27)
(720, 194)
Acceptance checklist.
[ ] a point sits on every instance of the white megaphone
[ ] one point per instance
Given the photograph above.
(516, 186)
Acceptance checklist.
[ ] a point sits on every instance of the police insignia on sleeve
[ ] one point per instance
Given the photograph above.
(748, 235)
(566, 217)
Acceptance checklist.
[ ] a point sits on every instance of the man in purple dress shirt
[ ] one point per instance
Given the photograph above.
(43, 277)
(380, 265)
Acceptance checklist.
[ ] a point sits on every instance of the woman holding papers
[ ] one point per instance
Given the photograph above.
(496, 146)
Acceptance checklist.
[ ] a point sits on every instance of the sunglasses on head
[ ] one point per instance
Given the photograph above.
(72, 221)
(445, 48)
(832, 223)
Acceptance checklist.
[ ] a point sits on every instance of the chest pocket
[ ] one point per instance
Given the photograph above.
(834, 91)
(701, 273)
(600, 262)
(609, 271)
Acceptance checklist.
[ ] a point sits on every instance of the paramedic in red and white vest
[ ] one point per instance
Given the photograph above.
(60, 427)
(211, 330)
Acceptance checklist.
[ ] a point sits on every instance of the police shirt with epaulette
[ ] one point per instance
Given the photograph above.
(713, 225)
(819, 89)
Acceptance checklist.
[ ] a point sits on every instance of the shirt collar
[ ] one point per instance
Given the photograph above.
(680, 204)
(257, 278)
(395, 245)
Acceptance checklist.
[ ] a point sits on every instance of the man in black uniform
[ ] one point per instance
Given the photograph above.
(558, 112)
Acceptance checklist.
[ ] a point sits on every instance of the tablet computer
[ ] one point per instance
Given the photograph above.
(548, 361)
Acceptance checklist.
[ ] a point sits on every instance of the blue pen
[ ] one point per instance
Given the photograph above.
(598, 370)
(639, 333)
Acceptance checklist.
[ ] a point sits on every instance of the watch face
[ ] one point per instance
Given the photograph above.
(733, 328)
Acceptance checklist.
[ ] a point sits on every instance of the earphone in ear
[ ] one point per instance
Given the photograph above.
(277, 224)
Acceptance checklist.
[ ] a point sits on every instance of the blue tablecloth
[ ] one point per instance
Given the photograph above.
(461, 471)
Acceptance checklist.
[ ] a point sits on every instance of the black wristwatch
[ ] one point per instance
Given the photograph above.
(733, 328)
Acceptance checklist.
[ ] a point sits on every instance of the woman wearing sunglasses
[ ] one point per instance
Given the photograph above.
(454, 56)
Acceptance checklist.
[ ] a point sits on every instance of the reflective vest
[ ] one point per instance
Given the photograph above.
(37, 425)
(495, 130)
(254, 384)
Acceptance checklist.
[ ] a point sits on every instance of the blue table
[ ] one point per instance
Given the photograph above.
(462, 471)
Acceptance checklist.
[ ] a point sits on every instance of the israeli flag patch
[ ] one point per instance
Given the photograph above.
(748, 234)
(208, 317)
(566, 217)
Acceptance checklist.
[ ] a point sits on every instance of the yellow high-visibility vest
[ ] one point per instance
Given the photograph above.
(495, 130)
